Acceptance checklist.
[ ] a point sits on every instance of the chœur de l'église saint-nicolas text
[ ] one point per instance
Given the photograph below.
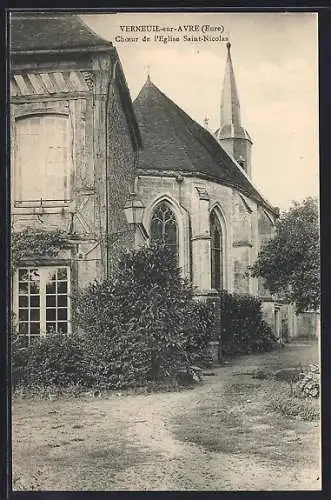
(170, 34)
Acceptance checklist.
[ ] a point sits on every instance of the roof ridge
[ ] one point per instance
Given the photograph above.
(94, 33)
(178, 109)
(218, 163)
(205, 144)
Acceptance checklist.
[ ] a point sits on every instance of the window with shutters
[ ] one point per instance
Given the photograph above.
(42, 301)
(42, 156)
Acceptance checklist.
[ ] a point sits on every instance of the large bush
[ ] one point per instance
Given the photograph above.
(243, 330)
(142, 324)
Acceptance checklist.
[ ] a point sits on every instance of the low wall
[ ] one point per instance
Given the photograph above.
(307, 324)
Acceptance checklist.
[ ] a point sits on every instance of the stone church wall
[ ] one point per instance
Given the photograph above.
(122, 160)
(240, 268)
(238, 227)
(151, 187)
(221, 201)
(243, 242)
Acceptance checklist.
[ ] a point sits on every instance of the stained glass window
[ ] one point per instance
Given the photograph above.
(164, 227)
(216, 247)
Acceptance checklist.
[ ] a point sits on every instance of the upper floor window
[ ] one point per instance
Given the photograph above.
(42, 153)
(164, 227)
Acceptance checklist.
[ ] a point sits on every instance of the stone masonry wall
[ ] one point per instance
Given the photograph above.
(121, 170)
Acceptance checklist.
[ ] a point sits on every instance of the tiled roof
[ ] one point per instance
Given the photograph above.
(172, 141)
(44, 32)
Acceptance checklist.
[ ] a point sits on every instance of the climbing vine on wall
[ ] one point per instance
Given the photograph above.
(37, 243)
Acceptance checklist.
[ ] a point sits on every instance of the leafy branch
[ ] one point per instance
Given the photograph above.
(31, 242)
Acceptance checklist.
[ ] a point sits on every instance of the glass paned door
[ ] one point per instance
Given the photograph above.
(43, 301)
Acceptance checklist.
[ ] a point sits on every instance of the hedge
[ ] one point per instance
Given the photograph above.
(243, 329)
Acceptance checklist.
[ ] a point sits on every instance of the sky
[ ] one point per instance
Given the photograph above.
(275, 58)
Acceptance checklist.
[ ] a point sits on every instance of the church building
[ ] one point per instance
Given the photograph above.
(83, 157)
(199, 197)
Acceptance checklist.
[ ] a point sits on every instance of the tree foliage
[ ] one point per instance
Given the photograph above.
(37, 243)
(290, 261)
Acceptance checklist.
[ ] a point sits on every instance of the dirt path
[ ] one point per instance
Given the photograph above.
(130, 443)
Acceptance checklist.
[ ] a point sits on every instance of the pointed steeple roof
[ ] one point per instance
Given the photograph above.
(230, 105)
(230, 119)
(173, 142)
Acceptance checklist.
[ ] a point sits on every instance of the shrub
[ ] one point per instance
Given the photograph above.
(142, 324)
(138, 328)
(56, 360)
(19, 360)
(198, 333)
(243, 330)
(308, 385)
(282, 400)
(31, 242)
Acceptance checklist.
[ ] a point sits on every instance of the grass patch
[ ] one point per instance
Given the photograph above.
(241, 389)
(294, 407)
(73, 392)
(284, 402)
(291, 356)
(249, 422)
(255, 412)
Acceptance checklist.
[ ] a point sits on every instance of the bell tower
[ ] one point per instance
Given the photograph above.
(232, 136)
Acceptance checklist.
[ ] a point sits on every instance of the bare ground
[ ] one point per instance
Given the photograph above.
(219, 436)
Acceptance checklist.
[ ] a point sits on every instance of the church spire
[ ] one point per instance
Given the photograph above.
(231, 135)
(230, 105)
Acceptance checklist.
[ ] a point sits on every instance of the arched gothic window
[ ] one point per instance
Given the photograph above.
(216, 248)
(164, 227)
